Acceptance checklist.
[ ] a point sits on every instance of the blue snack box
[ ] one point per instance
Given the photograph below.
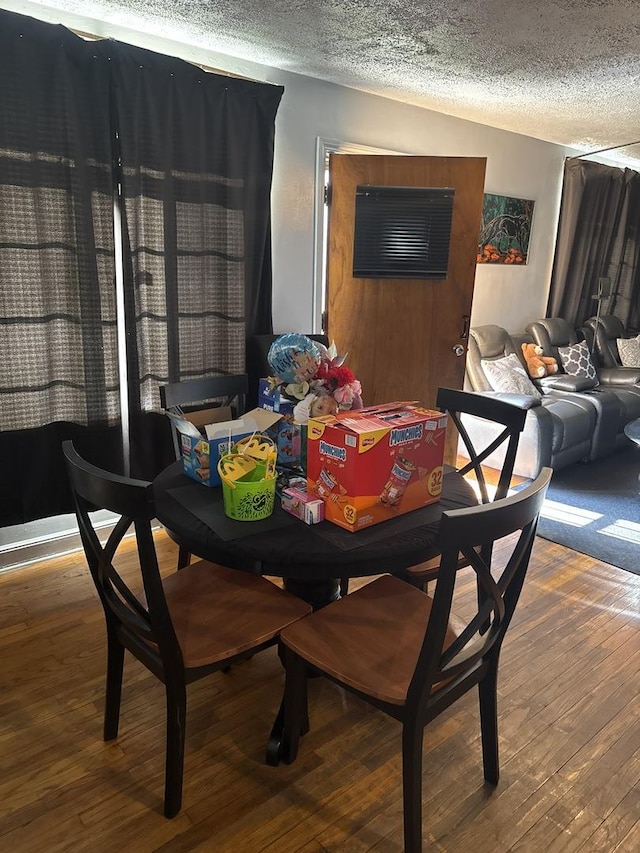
(285, 433)
(202, 450)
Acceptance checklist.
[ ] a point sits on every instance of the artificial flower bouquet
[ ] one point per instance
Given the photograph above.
(313, 376)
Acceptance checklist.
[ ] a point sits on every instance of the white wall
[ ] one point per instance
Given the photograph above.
(516, 166)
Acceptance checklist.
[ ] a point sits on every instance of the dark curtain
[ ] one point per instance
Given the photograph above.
(58, 350)
(196, 158)
(598, 236)
(191, 155)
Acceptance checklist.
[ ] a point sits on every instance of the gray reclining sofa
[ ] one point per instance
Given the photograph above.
(559, 428)
(567, 420)
(614, 391)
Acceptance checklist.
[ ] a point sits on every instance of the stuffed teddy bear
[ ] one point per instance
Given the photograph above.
(538, 365)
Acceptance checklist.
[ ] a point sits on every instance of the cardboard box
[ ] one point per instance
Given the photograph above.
(286, 433)
(205, 436)
(376, 463)
(305, 506)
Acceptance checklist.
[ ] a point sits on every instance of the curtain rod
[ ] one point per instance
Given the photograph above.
(207, 68)
(601, 150)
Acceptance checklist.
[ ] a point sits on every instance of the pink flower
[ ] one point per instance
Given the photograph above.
(346, 394)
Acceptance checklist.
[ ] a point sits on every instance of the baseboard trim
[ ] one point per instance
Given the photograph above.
(21, 554)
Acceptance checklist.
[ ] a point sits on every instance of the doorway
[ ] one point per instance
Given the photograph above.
(405, 336)
(324, 149)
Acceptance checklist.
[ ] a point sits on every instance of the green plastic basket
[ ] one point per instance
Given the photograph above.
(250, 497)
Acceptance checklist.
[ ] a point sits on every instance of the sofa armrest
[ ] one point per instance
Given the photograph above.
(566, 382)
(522, 401)
(625, 377)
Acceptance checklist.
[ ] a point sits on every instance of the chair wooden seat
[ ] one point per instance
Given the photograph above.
(422, 573)
(218, 613)
(370, 639)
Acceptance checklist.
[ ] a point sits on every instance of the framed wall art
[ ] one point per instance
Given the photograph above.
(506, 226)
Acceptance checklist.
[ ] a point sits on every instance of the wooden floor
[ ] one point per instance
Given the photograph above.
(569, 737)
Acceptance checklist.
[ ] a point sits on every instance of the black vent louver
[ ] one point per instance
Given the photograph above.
(402, 232)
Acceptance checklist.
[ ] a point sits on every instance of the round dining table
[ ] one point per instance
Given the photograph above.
(311, 558)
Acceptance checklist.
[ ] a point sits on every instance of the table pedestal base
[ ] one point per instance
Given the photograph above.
(316, 593)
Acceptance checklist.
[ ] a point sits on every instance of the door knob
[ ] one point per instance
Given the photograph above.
(458, 349)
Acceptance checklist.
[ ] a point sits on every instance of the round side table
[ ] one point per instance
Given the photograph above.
(632, 431)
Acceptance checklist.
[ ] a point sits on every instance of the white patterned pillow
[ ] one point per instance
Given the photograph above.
(508, 376)
(576, 361)
(629, 351)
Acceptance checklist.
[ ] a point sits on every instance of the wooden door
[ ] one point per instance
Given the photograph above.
(404, 337)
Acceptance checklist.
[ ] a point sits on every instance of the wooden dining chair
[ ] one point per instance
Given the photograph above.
(182, 627)
(192, 394)
(495, 448)
(410, 655)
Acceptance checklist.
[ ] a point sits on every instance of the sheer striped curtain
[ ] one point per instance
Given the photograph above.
(196, 154)
(186, 157)
(58, 347)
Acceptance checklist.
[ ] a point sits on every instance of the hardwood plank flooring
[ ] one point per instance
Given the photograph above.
(569, 736)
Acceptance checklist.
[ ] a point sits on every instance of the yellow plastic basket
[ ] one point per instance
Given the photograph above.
(248, 487)
(259, 447)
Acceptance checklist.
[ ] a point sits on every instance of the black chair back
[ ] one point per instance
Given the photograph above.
(496, 427)
(143, 628)
(224, 390)
(192, 394)
(499, 581)
(491, 409)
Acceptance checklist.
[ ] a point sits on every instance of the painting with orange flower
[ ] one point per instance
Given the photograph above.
(506, 226)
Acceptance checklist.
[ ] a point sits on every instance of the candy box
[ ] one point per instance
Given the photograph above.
(285, 432)
(205, 435)
(307, 507)
(374, 464)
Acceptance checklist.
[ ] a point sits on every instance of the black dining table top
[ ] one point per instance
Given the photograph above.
(285, 546)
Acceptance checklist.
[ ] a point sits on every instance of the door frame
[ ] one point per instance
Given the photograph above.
(402, 333)
(324, 147)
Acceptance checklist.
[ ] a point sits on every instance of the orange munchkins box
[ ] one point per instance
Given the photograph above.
(376, 463)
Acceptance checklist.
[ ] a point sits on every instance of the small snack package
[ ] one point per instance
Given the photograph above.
(305, 506)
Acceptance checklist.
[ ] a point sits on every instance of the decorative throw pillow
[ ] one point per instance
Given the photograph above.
(508, 376)
(629, 351)
(576, 361)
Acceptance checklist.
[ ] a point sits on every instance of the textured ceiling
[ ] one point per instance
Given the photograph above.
(566, 72)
